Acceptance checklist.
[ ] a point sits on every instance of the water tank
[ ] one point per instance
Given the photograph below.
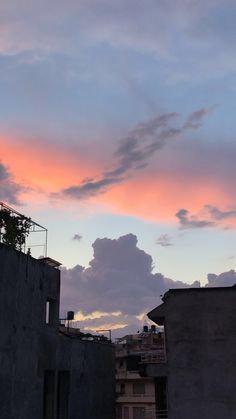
(70, 315)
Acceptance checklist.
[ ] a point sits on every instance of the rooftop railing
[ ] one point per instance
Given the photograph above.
(154, 357)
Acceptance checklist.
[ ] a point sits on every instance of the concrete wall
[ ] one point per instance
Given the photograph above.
(200, 326)
(29, 346)
(92, 385)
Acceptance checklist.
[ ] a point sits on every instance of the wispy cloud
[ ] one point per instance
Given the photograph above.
(164, 240)
(210, 216)
(135, 151)
(219, 215)
(168, 31)
(77, 237)
(188, 221)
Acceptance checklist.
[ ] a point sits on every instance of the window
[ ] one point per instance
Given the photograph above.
(161, 395)
(122, 388)
(126, 412)
(138, 412)
(118, 412)
(133, 362)
(49, 394)
(139, 388)
(56, 395)
(63, 382)
(51, 314)
(47, 311)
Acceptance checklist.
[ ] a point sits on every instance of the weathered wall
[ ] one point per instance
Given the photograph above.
(201, 348)
(29, 346)
(25, 285)
(92, 387)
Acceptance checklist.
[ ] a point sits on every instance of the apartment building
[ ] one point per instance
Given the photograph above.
(135, 395)
(198, 379)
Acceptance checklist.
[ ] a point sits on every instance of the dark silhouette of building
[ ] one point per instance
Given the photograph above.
(46, 372)
(198, 379)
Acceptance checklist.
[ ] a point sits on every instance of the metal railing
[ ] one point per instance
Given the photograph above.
(154, 357)
(155, 414)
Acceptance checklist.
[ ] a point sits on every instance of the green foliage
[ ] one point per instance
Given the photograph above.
(14, 229)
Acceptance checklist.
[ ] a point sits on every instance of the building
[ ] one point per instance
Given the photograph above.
(136, 395)
(198, 380)
(46, 372)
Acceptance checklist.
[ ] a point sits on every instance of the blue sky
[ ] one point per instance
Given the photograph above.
(117, 118)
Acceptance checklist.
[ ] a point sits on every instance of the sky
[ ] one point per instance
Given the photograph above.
(117, 133)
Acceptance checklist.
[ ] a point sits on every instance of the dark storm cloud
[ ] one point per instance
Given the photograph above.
(135, 151)
(9, 190)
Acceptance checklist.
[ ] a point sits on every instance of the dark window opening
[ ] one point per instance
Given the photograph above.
(118, 412)
(139, 388)
(161, 396)
(126, 412)
(49, 395)
(63, 385)
(122, 388)
(133, 362)
(138, 412)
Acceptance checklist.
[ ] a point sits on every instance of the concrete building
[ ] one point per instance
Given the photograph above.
(44, 373)
(136, 395)
(198, 380)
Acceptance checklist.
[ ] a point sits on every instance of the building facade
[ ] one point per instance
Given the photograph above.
(136, 395)
(45, 373)
(198, 380)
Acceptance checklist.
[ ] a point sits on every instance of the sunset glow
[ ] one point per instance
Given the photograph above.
(117, 131)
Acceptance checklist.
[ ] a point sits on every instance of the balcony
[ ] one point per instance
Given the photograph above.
(161, 414)
(157, 356)
(155, 414)
(127, 375)
(135, 398)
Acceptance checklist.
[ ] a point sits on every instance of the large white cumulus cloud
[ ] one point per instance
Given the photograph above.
(225, 279)
(119, 286)
(119, 283)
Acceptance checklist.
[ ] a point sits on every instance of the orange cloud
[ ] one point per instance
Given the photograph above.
(152, 194)
(44, 165)
(158, 197)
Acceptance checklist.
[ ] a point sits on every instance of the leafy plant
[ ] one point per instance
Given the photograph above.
(14, 229)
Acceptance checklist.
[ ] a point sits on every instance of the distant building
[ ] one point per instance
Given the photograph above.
(47, 373)
(198, 380)
(136, 395)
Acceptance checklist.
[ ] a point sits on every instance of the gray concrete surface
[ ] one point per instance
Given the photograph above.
(29, 348)
(200, 328)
